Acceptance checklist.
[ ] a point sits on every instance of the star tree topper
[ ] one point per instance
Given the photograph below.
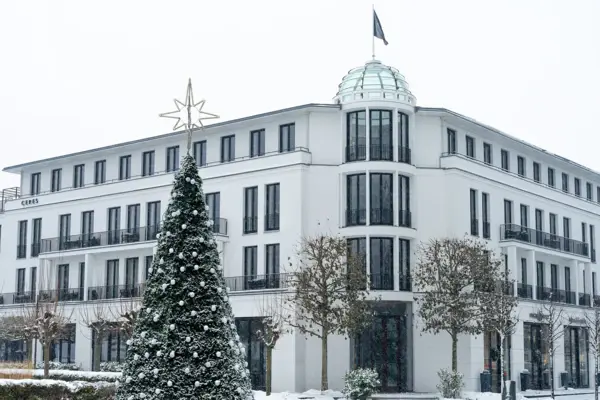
(189, 114)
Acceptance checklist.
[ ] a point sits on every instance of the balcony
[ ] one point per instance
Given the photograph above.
(272, 222)
(21, 251)
(220, 227)
(74, 294)
(544, 293)
(250, 224)
(404, 155)
(474, 227)
(543, 239)
(7, 195)
(404, 218)
(383, 281)
(381, 152)
(524, 291)
(258, 282)
(356, 216)
(17, 298)
(585, 299)
(596, 301)
(35, 249)
(382, 216)
(486, 230)
(357, 152)
(116, 292)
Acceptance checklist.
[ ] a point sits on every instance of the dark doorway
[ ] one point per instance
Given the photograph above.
(493, 361)
(537, 358)
(576, 357)
(255, 350)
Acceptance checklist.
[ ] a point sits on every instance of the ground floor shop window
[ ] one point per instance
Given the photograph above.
(114, 346)
(386, 347)
(537, 357)
(576, 357)
(247, 328)
(13, 350)
(63, 349)
(492, 359)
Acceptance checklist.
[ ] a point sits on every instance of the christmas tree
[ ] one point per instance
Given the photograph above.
(184, 343)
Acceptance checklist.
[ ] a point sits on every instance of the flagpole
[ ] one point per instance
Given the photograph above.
(373, 33)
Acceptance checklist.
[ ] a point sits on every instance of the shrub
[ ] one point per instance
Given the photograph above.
(361, 383)
(111, 366)
(451, 384)
(55, 390)
(59, 365)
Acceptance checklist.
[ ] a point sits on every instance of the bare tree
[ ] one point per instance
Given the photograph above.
(14, 327)
(329, 292)
(552, 316)
(454, 278)
(126, 314)
(96, 318)
(592, 324)
(272, 311)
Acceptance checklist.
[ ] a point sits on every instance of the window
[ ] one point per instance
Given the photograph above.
(380, 135)
(584, 232)
(554, 277)
(521, 166)
(64, 231)
(272, 207)
(485, 214)
(79, 176)
(381, 263)
(131, 277)
(508, 206)
(200, 153)
(213, 201)
(588, 191)
(356, 136)
(63, 350)
(250, 263)
(20, 281)
(404, 201)
(124, 167)
(172, 158)
(594, 284)
(551, 181)
(382, 199)
(357, 252)
(451, 141)
(553, 220)
(153, 219)
(287, 137)
(473, 212)
(272, 262)
(36, 237)
(22, 240)
(403, 138)
(35, 183)
(505, 160)
(404, 264)
(81, 279)
(539, 226)
(524, 216)
(251, 209)
(133, 220)
(565, 182)
(257, 143)
(470, 144)
(113, 346)
(356, 199)
(577, 185)
(114, 225)
(100, 172)
(487, 153)
(148, 163)
(592, 243)
(63, 279)
(227, 148)
(112, 279)
(33, 280)
(56, 180)
(566, 227)
(537, 175)
(147, 265)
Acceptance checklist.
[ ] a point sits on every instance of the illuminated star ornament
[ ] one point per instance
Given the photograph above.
(189, 114)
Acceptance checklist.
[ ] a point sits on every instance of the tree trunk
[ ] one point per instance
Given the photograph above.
(552, 373)
(97, 352)
(46, 359)
(454, 337)
(596, 383)
(30, 352)
(324, 383)
(269, 369)
(503, 377)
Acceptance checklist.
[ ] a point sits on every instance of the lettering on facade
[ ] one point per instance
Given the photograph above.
(575, 320)
(538, 315)
(29, 202)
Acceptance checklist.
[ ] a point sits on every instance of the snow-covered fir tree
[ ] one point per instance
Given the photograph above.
(185, 343)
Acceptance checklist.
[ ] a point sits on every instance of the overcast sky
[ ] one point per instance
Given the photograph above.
(75, 75)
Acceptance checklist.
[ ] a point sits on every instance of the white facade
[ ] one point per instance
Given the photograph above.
(314, 176)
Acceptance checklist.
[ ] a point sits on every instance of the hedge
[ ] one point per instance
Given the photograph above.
(28, 389)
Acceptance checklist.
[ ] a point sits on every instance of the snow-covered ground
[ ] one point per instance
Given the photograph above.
(308, 395)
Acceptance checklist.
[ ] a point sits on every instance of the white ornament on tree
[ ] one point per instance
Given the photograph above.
(217, 382)
(194, 254)
(172, 327)
(158, 353)
(168, 233)
(196, 267)
(195, 355)
(192, 294)
(181, 256)
(136, 357)
(182, 269)
(169, 383)
(187, 370)
(195, 212)
(193, 181)
(181, 302)
(141, 375)
(146, 354)
(172, 281)
(184, 226)
(205, 327)
(171, 250)
(197, 384)
(188, 339)
(172, 354)
(202, 283)
(213, 308)
(194, 313)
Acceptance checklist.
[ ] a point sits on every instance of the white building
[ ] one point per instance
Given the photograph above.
(373, 166)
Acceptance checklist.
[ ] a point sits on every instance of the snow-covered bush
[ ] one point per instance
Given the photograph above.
(58, 365)
(451, 384)
(361, 383)
(111, 366)
(28, 389)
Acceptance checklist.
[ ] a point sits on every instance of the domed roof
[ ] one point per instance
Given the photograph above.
(374, 81)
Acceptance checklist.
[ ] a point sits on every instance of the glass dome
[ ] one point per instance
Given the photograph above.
(374, 80)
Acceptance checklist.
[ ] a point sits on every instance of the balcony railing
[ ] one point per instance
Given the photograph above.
(404, 155)
(585, 299)
(474, 227)
(74, 294)
(85, 240)
(250, 224)
(596, 301)
(220, 226)
(21, 251)
(356, 216)
(381, 152)
(258, 282)
(404, 283)
(404, 218)
(272, 222)
(382, 216)
(486, 230)
(539, 238)
(383, 281)
(116, 292)
(17, 298)
(544, 293)
(357, 152)
(35, 249)
(524, 291)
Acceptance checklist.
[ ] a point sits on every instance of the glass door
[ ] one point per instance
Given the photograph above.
(576, 357)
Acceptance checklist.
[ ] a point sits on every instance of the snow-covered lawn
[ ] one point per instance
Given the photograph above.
(86, 375)
(309, 395)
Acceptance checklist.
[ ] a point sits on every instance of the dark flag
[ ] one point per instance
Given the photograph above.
(377, 29)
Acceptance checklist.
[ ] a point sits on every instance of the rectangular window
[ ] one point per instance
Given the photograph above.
(524, 271)
(404, 201)
(451, 141)
(566, 227)
(403, 139)
(213, 201)
(508, 207)
(147, 265)
(250, 266)
(287, 137)
(356, 199)
(381, 263)
(114, 225)
(172, 158)
(470, 146)
(487, 153)
(356, 136)
(200, 153)
(124, 167)
(404, 264)
(272, 207)
(63, 280)
(565, 182)
(588, 191)
(33, 281)
(357, 252)
(554, 277)
(36, 237)
(153, 219)
(257, 143)
(87, 227)
(598, 194)
(133, 219)
(553, 220)
(473, 212)
(584, 232)
(251, 209)
(272, 263)
(227, 148)
(99, 172)
(112, 279)
(537, 174)
(131, 276)
(521, 166)
(64, 231)
(79, 176)
(551, 181)
(505, 160)
(539, 226)
(577, 187)
(55, 185)
(22, 240)
(594, 284)
(592, 243)
(382, 199)
(35, 183)
(21, 281)
(148, 163)
(81, 279)
(540, 277)
(485, 214)
(524, 216)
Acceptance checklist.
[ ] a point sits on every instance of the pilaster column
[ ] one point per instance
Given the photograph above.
(513, 265)
(587, 268)
(575, 278)
(532, 272)
(86, 281)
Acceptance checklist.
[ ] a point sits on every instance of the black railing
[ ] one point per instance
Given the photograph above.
(356, 216)
(257, 282)
(404, 218)
(404, 283)
(544, 293)
(116, 292)
(381, 152)
(486, 230)
(73, 294)
(404, 155)
(250, 224)
(382, 281)
(584, 299)
(539, 238)
(524, 291)
(272, 222)
(381, 216)
(220, 226)
(596, 301)
(474, 227)
(508, 288)
(357, 152)
(21, 251)
(85, 240)
(570, 297)
(17, 298)
(35, 249)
